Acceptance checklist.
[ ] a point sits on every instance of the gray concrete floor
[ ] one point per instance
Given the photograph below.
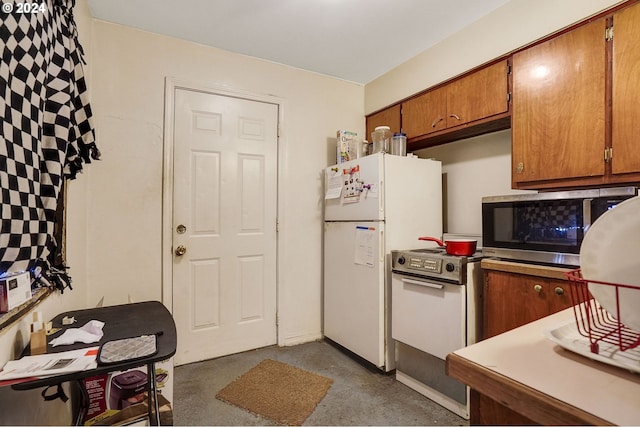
(358, 395)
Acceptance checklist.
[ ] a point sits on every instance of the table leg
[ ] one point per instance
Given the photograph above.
(84, 403)
(152, 398)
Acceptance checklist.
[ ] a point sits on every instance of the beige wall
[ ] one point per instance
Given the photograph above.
(480, 166)
(471, 169)
(124, 198)
(516, 24)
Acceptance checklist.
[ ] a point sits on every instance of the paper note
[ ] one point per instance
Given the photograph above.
(334, 185)
(365, 245)
(352, 185)
(49, 364)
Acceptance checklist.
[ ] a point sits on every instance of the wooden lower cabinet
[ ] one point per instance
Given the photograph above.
(487, 412)
(512, 300)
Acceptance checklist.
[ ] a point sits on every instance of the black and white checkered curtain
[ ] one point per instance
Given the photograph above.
(45, 126)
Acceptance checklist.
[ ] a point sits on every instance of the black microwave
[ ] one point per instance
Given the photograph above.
(545, 228)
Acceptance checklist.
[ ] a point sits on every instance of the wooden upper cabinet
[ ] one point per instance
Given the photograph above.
(558, 110)
(476, 96)
(625, 155)
(481, 94)
(425, 114)
(574, 112)
(388, 117)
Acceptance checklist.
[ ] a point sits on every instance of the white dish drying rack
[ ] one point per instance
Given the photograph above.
(594, 332)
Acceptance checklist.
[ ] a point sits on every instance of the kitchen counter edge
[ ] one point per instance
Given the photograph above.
(524, 268)
(566, 389)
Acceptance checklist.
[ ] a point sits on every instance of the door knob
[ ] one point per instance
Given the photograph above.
(181, 250)
(536, 288)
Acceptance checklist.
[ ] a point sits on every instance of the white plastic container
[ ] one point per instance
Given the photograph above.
(399, 144)
(381, 138)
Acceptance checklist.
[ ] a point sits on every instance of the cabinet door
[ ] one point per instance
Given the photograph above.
(479, 95)
(559, 295)
(387, 117)
(488, 412)
(512, 300)
(626, 91)
(425, 114)
(558, 107)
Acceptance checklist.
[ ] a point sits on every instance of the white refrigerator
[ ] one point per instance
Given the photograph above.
(373, 205)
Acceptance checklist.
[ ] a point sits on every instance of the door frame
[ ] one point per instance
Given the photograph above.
(171, 84)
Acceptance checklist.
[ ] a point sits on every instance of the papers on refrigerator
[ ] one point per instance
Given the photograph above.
(364, 250)
(45, 365)
(334, 186)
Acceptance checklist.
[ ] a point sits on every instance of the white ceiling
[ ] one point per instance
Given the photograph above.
(355, 40)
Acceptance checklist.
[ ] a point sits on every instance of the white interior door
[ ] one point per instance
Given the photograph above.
(224, 218)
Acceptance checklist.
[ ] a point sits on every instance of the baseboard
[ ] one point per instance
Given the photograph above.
(298, 339)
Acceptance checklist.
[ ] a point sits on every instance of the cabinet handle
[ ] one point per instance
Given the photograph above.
(455, 116)
(537, 288)
(436, 121)
(559, 291)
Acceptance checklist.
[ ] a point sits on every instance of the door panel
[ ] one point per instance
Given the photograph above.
(418, 305)
(477, 96)
(511, 300)
(425, 114)
(354, 288)
(626, 87)
(205, 286)
(370, 204)
(558, 121)
(225, 175)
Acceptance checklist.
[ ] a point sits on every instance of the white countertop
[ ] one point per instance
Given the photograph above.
(525, 355)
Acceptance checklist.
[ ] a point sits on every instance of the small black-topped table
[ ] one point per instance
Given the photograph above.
(120, 321)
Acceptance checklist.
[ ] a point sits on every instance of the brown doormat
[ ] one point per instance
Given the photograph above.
(275, 390)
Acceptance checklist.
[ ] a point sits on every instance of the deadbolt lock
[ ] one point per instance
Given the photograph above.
(181, 229)
(181, 250)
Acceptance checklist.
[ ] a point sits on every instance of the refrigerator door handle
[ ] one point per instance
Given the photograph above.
(381, 196)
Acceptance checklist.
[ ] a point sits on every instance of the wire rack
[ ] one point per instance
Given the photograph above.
(594, 322)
